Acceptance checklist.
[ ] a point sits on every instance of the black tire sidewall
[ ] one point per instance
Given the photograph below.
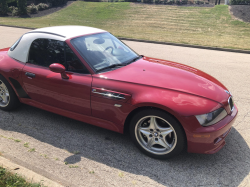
(181, 137)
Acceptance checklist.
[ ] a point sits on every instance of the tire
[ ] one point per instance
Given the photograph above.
(8, 98)
(157, 134)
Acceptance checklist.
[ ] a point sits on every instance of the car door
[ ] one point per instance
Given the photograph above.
(47, 87)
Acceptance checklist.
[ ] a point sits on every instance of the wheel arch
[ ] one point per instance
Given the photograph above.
(145, 107)
(12, 86)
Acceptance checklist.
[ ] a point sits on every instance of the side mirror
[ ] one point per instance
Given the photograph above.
(59, 68)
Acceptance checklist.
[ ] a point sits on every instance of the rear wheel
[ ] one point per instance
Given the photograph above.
(157, 134)
(8, 98)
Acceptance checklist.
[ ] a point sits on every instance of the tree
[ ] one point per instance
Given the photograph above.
(3, 7)
(22, 6)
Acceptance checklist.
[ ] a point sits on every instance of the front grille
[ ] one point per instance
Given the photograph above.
(231, 103)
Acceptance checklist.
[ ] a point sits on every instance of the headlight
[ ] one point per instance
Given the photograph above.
(212, 117)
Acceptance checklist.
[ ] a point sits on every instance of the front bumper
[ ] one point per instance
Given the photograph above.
(209, 140)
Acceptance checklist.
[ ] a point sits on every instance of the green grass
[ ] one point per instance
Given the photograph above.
(73, 166)
(32, 150)
(26, 145)
(189, 25)
(8, 179)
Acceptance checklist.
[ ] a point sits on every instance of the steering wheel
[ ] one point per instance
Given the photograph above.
(110, 47)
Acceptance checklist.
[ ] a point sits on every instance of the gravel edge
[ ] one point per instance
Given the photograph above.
(29, 175)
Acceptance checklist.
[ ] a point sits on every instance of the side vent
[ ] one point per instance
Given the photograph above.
(110, 94)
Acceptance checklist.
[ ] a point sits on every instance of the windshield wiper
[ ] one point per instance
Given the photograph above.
(134, 59)
(111, 66)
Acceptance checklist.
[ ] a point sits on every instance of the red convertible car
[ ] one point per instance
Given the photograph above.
(89, 75)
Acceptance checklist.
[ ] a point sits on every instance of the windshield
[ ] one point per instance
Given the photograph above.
(103, 50)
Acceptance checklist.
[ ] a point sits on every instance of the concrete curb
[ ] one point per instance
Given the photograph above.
(17, 27)
(165, 43)
(27, 174)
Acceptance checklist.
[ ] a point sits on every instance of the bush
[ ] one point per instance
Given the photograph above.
(170, 2)
(32, 9)
(22, 6)
(42, 6)
(57, 2)
(11, 8)
(15, 11)
(240, 2)
(3, 7)
(178, 2)
(199, 2)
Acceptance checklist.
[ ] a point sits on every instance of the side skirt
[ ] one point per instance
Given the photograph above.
(83, 118)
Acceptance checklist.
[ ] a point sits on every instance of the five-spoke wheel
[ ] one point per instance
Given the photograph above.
(157, 133)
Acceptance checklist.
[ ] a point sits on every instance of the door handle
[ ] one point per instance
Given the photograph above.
(32, 75)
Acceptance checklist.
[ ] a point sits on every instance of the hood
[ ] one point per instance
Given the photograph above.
(170, 75)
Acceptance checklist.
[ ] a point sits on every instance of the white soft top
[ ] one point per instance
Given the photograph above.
(60, 33)
(69, 31)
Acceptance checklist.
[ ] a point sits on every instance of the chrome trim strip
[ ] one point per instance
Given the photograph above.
(107, 94)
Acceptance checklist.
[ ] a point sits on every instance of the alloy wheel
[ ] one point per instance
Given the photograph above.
(156, 135)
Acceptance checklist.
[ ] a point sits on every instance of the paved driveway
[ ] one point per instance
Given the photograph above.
(105, 158)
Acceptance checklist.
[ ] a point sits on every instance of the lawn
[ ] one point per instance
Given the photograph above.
(189, 25)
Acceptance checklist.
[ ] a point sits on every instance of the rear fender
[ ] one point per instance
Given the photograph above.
(11, 69)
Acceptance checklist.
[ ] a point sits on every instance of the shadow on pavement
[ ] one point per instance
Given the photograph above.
(227, 167)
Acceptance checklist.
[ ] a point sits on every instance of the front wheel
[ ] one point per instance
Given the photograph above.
(157, 134)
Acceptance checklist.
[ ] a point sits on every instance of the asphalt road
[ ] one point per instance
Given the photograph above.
(105, 158)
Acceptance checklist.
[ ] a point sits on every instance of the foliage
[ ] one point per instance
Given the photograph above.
(15, 11)
(42, 6)
(57, 2)
(3, 7)
(170, 2)
(239, 2)
(13, 180)
(11, 8)
(199, 2)
(22, 6)
(32, 9)
(181, 2)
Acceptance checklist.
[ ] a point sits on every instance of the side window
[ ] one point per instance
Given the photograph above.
(74, 64)
(44, 52)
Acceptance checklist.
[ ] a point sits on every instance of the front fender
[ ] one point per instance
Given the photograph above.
(175, 102)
